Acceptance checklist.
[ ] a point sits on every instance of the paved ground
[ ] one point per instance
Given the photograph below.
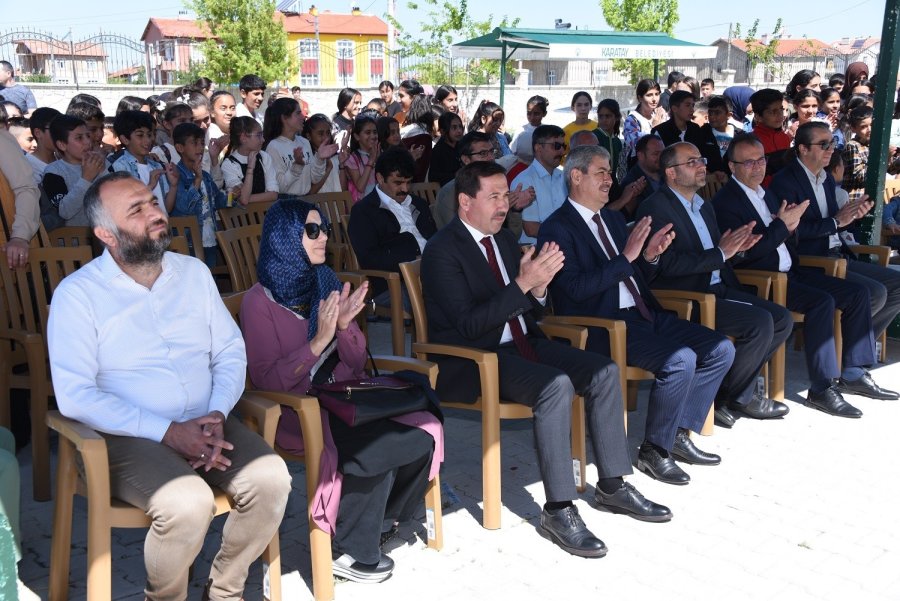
(801, 508)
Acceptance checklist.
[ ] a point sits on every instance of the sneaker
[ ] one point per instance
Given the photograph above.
(348, 568)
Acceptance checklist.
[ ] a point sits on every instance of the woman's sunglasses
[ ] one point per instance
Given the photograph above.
(314, 229)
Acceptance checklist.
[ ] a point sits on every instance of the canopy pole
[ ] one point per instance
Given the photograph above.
(502, 72)
(656, 69)
(884, 108)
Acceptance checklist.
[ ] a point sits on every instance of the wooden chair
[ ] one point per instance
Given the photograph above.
(712, 186)
(252, 214)
(105, 513)
(764, 283)
(8, 213)
(240, 247)
(396, 313)
(72, 236)
(333, 205)
(179, 244)
(307, 407)
(189, 227)
(26, 294)
(425, 190)
(882, 256)
(489, 403)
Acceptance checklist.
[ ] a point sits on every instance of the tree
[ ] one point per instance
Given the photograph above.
(639, 15)
(759, 53)
(245, 38)
(447, 22)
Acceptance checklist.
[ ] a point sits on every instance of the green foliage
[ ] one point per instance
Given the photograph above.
(640, 15)
(140, 78)
(246, 39)
(757, 52)
(195, 71)
(445, 23)
(34, 78)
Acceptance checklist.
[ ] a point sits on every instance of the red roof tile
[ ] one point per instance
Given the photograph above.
(339, 23)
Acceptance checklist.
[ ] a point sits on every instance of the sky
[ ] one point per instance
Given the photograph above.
(827, 21)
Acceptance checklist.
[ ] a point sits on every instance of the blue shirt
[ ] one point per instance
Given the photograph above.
(549, 193)
(693, 210)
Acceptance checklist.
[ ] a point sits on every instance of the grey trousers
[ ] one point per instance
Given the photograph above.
(179, 500)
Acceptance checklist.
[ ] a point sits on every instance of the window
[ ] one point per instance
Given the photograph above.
(167, 50)
(308, 50)
(60, 64)
(196, 52)
(90, 65)
(376, 62)
(551, 77)
(345, 49)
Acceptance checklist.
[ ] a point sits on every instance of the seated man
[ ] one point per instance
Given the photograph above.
(641, 181)
(545, 176)
(741, 201)
(806, 177)
(605, 275)
(697, 261)
(474, 299)
(388, 226)
(27, 218)
(158, 377)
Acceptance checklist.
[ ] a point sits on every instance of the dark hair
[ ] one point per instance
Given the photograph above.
(412, 87)
(383, 127)
(542, 133)
(800, 79)
(240, 125)
(644, 86)
(802, 95)
(836, 158)
(251, 82)
(860, 114)
(358, 125)
(395, 160)
(420, 112)
(23, 122)
(464, 146)
(3, 116)
(89, 98)
(62, 126)
(486, 109)
(837, 78)
(272, 125)
(612, 106)
(679, 96)
(760, 100)
(127, 122)
(185, 131)
(716, 101)
(131, 103)
(218, 94)
(7, 66)
(804, 135)
(668, 156)
(674, 77)
(382, 105)
(203, 84)
(345, 97)
(311, 122)
(708, 82)
(85, 111)
(694, 85)
(701, 106)
(42, 117)
(826, 93)
(578, 95)
(195, 99)
(446, 120)
(442, 92)
(644, 141)
(869, 83)
(175, 109)
(468, 178)
(538, 101)
(10, 104)
(741, 139)
(386, 84)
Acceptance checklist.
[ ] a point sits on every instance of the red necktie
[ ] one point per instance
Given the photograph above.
(519, 339)
(629, 284)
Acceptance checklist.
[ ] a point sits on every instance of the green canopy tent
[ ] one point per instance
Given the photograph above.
(505, 43)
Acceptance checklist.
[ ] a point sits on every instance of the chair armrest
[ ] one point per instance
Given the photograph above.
(836, 268)
(615, 328)
(487, 370)
(394, 363)
(92, 448)
(80, 434)
(576, 335)
(761, 280)
(681, 306)
(882, 252)
(261, 414)
(705, 300)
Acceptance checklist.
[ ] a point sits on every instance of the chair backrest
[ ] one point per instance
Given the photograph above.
(331, 204)
(233, 304)
(189, 227)
(179, 244)
(891, 189)
(712, 186)
(240, 246)
(252, 214)
(411, 272)
(72, 235)
(344, 240)
(425, 190)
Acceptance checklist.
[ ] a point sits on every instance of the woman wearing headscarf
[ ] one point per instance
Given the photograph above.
(297, 320)
(858, 71)
(739, 96)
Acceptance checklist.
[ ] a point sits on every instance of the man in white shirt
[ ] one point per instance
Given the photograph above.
(545, 177)
(143, 350)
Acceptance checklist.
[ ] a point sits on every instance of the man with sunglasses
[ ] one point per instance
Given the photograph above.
(810, 292)
(545, 176)
(818, 233)
(697, 261)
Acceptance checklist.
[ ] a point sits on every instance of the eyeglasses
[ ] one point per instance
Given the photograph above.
(693, 163)
(555, 145)
(314, 229)
(489, 153)
(825, 145)
(751, 163)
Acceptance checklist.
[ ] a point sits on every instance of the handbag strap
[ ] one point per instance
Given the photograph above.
(324, 372)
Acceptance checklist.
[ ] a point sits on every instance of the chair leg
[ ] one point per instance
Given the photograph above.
(60, 546)
(882, 357)
(579, 447)
(40, 433)
(490, 465)
(271, 558)
(838, 339)
(434, 519)
(99, 549)
(320, 552)
(709, 425)
(776, 390)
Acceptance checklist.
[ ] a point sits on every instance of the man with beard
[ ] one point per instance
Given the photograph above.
(143, 350)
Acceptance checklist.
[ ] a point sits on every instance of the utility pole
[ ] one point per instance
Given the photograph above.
(391, 65)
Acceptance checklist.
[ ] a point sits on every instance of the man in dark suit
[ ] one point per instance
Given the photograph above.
(388, 226)
(604, 276)
(819, 232)
(697, 261)
(741, 201)
(680, 128)
(642, 180)
(474, 299)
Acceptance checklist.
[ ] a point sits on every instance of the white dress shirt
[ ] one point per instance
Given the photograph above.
(406, 214)
(817, 181)
(128, 360)
(757, 199)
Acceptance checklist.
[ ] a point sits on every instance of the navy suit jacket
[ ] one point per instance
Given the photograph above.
(465, 303)
(792, 184)
(686, 265)
(733, 209)
(588, 283)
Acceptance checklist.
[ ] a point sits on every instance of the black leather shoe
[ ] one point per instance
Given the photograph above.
(866, 386)
(685, 450)
(831, 402)
(661, 468)
(760, 407)
(627, 500)
(566, 528)
(348, 568)
(724, 417)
